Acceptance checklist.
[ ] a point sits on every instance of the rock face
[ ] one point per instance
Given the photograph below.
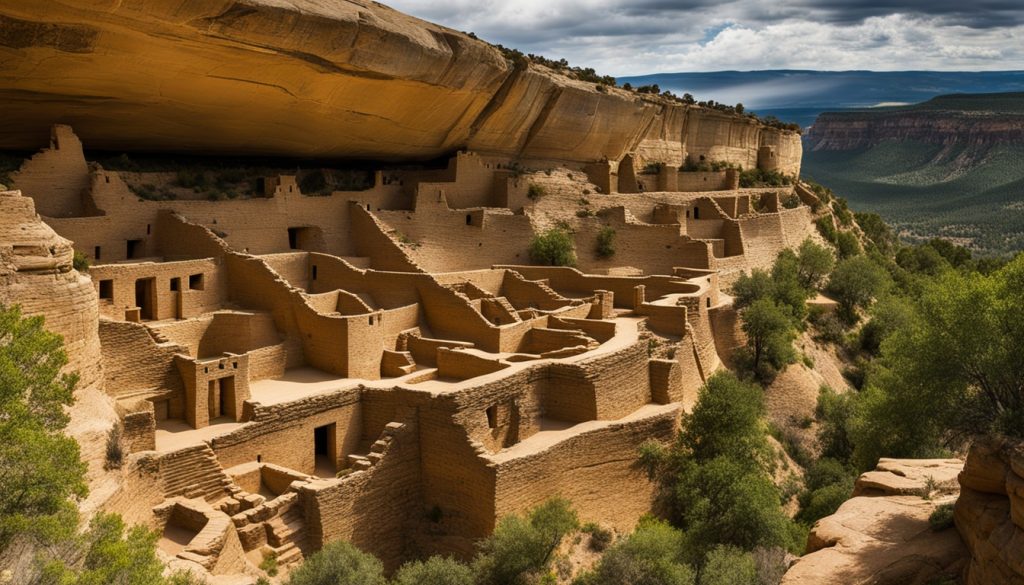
(882, 535)
(36, 273)
(965, 121)
(327, 78)
(990, 512)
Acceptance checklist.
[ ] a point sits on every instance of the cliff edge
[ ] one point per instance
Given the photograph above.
(325, 78)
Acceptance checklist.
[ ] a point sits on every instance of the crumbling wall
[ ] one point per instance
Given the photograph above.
(57, 177)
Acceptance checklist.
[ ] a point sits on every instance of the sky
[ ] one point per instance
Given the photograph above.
(635, 37)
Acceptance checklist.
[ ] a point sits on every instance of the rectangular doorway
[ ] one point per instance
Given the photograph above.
(324, 450)
(221, 396)
(145, 298)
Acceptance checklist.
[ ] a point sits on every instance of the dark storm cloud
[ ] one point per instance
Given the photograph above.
(630, 36)
(971, 13)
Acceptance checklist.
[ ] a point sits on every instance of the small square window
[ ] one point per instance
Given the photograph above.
(196, 282)
(107, 290)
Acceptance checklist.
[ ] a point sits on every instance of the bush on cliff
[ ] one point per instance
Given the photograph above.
(553, 247)
(856, 283)
(770, 337)
(606, 242)
(715, 477)
(111, 556)
(40, 469)
(652, 554)
(434, 571)
(337, 563)
(960, 355)
(522, 546)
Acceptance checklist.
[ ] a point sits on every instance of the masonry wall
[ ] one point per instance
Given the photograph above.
(377, 509)
(57, 177)
(180, 290)
(444, 239)
(283, 433)
(134, 365)
(596, 470)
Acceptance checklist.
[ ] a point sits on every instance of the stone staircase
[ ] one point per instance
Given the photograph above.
(286, 536)
(194, 472)
(377, 449)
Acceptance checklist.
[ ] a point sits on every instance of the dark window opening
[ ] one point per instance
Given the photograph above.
(687, 214)
(709, 302)
(696, 213)
(371, 319)
(259, 459)
(469, 219)
(196, 282)
(175, 284)
(149, 229)
(96, 253)
(314, 272)
(293, 238)
(492, 417)
(367, 207)
(133, 248)
(107, 290)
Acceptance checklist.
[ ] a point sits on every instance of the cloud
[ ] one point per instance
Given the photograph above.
(633, 37)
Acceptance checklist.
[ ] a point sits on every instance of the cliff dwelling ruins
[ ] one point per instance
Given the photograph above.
(387, 365)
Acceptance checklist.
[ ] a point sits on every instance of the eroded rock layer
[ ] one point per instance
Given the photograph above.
(323, 78)
(990, 512)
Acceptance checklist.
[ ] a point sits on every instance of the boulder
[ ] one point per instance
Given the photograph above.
(882, 535)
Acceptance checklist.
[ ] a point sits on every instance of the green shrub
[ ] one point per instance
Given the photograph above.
(523, 546)
(535, 191)
(653, 555)
(111, 555)
(36, 456)
(855, 283)
(115, 451)
(339, 562)
(827, 228)
(269, 564)
(553, 247)
(584, 213)
(847, 244)
(728, 565)
(823, 502)
(434, 571)
(761, 178)
(600, 537)
(80, 262)
(791, 202)
(606, 242)
(942, 517)
(770, 335)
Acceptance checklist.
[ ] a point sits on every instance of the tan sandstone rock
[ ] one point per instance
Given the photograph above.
(990, 512)
(324, 78)
(885, 539)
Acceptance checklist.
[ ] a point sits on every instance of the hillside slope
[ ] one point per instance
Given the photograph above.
(950, 167)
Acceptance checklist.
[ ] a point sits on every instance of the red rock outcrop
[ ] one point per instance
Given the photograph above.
(856, 130)
(324, 78)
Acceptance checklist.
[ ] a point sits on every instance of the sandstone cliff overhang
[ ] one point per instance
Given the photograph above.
(322, 78)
